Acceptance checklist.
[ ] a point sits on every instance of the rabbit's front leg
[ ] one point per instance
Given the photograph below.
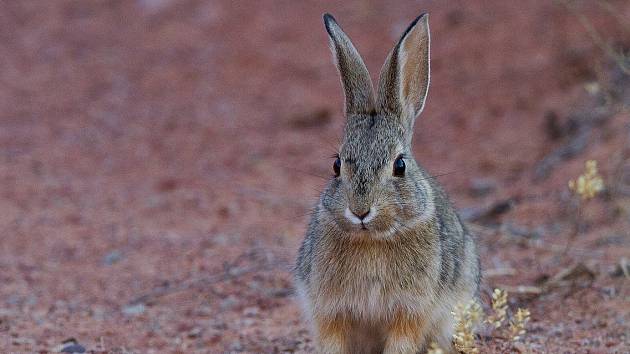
(405, 334)
(333, 335)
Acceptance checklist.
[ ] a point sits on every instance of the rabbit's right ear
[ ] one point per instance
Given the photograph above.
(404, 79)
(357, 85)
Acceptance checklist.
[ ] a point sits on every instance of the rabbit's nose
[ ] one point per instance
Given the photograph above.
(360, 217)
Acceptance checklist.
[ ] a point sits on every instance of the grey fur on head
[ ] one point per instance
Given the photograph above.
(385, 258)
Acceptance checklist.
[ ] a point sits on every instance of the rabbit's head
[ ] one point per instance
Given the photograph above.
(378, 187)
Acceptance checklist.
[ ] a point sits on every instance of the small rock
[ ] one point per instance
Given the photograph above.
(195, 332)
(112, 257)
(70, 345)
(480, 187)
(134, 310)
(621, 269)
(250, 311)
(73, 348)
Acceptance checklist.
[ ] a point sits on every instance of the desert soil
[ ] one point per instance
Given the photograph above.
(159, 158)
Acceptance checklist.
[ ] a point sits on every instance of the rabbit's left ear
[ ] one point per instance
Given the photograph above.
(404, 79)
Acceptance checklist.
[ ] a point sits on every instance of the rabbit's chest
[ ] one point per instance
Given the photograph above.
(373, 290)
(368, 297)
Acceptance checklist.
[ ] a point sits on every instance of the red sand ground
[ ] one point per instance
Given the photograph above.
(159, 158)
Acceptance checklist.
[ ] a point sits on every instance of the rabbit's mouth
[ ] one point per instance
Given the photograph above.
(372, 232)
(375, 225)
(362, 228)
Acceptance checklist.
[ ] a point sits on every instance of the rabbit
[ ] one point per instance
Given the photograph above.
(386, 258)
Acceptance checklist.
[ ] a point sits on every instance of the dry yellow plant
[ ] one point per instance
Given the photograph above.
(466, 318)
(518, 323)
(499, 307)
(588, 184)
(435, 349)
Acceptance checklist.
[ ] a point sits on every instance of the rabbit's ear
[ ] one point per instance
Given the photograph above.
(357, 85)
(404, 79)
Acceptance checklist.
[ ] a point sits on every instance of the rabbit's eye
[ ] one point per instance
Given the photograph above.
(399, 167)
(337, 167)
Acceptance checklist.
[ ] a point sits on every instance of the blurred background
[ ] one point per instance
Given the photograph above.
(159, 159)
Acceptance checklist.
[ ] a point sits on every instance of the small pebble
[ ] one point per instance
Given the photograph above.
(112, 257)
(480, 187)
(73, 348)
(133, 310)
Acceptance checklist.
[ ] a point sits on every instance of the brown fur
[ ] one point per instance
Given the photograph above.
(386, 283)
